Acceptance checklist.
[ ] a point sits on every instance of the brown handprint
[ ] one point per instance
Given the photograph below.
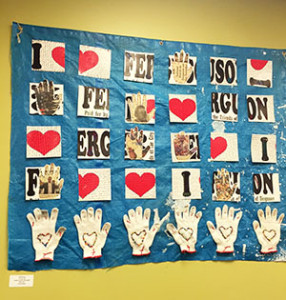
(134, 144)
(181, 69)
(223, 188)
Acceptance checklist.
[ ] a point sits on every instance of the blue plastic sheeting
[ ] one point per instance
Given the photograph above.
(117, 251)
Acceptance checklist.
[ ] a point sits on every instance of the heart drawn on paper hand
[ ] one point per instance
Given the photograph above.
(89, 239)
(87, 184)
(139, 237)
(44, 238)
(269, 234)
(58, 55)
(218, 146)
(186, 233)
(182, 109)
(258, 64)
(87, 60)
(150, 106)
(43, 142)
(140, 184)
(225, 232)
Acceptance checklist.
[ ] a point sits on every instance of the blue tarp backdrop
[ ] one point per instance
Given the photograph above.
(117, 250)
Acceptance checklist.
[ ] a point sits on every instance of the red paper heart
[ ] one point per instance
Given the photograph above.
(87, 60)
(218, 146)
(182, 109)
(43, 143)
(150, 106)
(87, 184)
(258, 64)
(140, 184)
(58, 54)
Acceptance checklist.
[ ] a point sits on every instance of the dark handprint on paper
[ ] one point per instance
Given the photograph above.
(134, 144)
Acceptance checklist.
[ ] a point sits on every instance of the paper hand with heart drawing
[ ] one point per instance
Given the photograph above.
(45, 239)
(91, 236)
(225, 232)
(269, 230)
(137, 224)
(185, 234)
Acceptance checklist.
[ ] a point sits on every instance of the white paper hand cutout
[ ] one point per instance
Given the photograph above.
(268, 233)
(45, 239)
(137, 224)
(90, 235)
(185, 234)
(225, 233)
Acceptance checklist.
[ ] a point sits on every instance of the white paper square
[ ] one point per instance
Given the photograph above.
(259, 73)
(263, 148)
(51, 56)
(185, 147)
(21, 281)
(94, 62)
(186, 184)
(224, 146)
(93, 102)
(43, 141)
(93, 143)
(266, 187)
(183, 108)
(223, 71)
(224, 107)
(140, 183)
(260, 108)
(94, 185)
(138, 66)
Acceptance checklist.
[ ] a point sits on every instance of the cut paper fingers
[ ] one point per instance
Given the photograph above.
(140, 183)
(43, 141)
(224, 146)
(138, 66)
(140, 108)
(48, 56)
(259, 73)
(91, 236)
(45, 238)
(139, 144)
(268, 229)
(94, 62)
(140, 236)
(185, 147)
(183, 108)
(94, 185)
(43, 183)
(182, 69)
(260, 108)
(263, 148)
(226, 186)
(224, 107)
(46, 98)
(223, 71)
(186, 184)
(225, 232)
(185, 234)
(266, 187)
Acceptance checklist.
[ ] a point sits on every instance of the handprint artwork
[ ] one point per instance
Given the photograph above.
(182, 69)
(185, 235)
(140, 108)
(49, 98)
(45, 239)
(225, 234)
(50, 182)
(268, 232)
(91, 236)
(137, 225)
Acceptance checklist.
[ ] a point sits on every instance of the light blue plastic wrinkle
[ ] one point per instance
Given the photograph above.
(117, 251)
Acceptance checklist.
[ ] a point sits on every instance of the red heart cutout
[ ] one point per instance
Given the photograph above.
(218, 146)
(43, 143)
(87, 184)
(258, 64)
(58, 54)
(140, 184)
(182, 109)
(87, 60)
(150, 106)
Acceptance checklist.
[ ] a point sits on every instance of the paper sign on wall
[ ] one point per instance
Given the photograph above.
(266, 187)
(263, 148)
(223, 71)
(260, 108)
(224, 107)
(183, 108)
(259, 73)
